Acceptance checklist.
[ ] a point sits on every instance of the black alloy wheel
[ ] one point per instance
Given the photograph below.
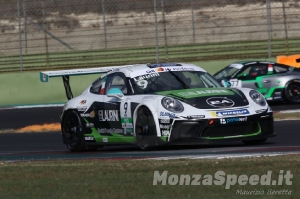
(292, 93)
(145, 129)
(72, 131)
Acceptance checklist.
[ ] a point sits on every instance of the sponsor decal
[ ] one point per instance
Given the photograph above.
(104, 140)
(172, 115)
(231, 112)
(82, 102)
(150, 71)
(173, 69)
(81, 108)
(198, 92)
(164, 126)
(146, 76)
(195, 116)
(220, 102)
(127, 123)
(89, 138)
(84, 115)
(202, 92)
(181, 69)
(108, 115)
(160, 69)
(128, 130)
(125, 111)
(119, 131)
(278, 82)
(165, 132)
(235, 119)
(89, 125)
(91, 114)
(164, 121)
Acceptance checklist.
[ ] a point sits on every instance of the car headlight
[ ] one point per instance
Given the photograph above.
(257, 97)
(172, 105)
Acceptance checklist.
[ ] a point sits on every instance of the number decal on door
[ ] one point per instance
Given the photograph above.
(126, 119)
(236, 83)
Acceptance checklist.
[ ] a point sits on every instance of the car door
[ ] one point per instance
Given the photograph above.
(255, 76)
(114, 116)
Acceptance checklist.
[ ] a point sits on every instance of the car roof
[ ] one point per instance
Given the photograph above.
(254, 62)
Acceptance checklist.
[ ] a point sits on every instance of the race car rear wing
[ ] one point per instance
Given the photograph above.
(65, 74)
(291, 60)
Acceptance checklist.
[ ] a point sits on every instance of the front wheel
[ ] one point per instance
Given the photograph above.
(292, 93)
(72, 131)
(254, 142)
(145, 129)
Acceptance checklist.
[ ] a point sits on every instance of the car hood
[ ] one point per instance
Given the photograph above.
(209, 98)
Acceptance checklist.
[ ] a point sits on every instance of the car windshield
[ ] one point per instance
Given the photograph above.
(227, 72)
(173, 80)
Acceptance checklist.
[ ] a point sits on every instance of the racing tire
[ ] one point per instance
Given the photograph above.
(72, 131)
(145, 129)
(292, 93)
(254, 142)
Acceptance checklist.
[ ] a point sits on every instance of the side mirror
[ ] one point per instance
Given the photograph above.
(115, 92)
(225, 83)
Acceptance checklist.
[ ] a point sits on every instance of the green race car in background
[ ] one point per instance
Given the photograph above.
(275, 81)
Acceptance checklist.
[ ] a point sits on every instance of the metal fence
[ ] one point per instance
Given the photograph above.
(52, 34)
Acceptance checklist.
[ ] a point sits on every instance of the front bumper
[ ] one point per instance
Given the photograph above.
(252, 127)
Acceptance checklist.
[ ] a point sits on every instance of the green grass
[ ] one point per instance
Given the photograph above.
(134, 178)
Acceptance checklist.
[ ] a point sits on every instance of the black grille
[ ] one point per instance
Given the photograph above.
(186, 130)
(228, 130)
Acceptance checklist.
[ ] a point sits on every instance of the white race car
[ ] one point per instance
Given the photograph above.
(159, 104)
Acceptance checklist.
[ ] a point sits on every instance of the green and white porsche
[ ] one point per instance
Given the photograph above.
(275, 81)
(159, 104)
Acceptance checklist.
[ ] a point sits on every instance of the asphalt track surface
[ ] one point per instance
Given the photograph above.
(48, 145)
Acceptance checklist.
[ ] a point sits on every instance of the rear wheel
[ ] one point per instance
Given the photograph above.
(72, 130)
(292, 93)
(254, 142)
(145, 129)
